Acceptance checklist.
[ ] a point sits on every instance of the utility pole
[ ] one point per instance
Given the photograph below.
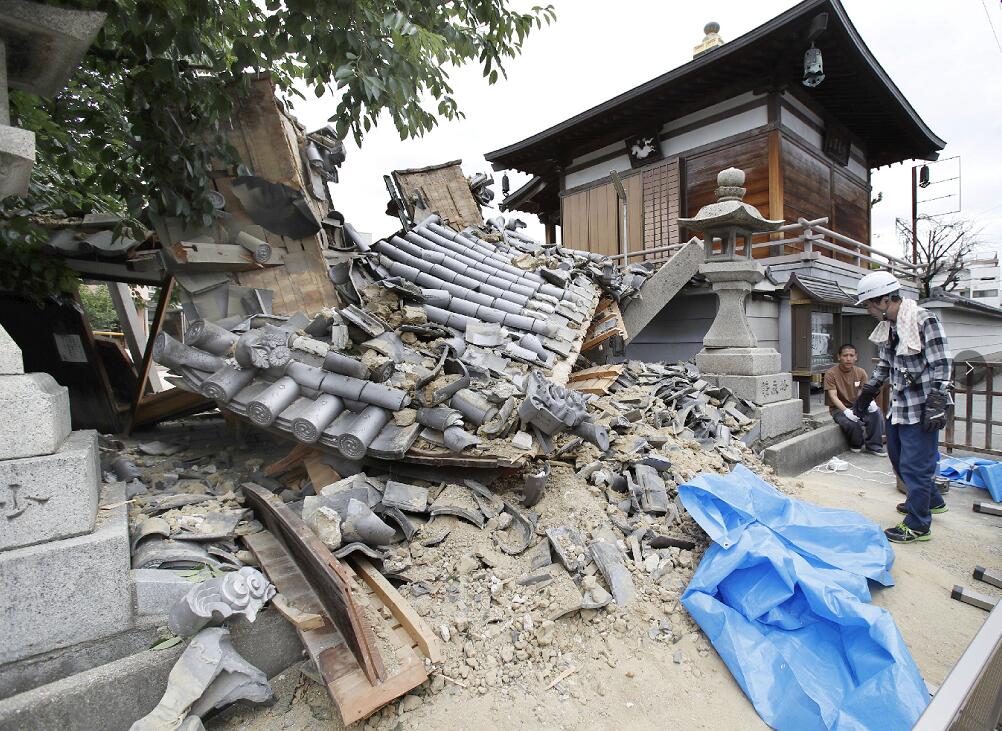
(915, 214)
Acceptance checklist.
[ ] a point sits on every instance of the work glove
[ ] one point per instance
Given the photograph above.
(937, 404)
(872, 407)
(850, 415)
(866, 395)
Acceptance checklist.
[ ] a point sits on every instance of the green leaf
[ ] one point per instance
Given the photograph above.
(164, 644)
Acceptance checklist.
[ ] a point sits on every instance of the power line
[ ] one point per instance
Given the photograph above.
(992, 26)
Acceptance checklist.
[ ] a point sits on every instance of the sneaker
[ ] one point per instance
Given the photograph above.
(855, 450)
(938, 509)
(901, 533)
(879, 451)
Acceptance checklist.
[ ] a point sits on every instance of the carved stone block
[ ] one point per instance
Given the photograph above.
(52, 496)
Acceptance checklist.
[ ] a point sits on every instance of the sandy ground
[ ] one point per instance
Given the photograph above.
(638, 683)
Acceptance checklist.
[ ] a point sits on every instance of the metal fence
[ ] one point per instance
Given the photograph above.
(970, 427)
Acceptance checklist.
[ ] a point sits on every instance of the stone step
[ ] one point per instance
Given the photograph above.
(50, 497)
(86, 688)
(804, 451)
(36, 415)
(64, 592)
(780, 417)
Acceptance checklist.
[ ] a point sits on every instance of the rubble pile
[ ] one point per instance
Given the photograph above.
(525, 520)
(435, 349)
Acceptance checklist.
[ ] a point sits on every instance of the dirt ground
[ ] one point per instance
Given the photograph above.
(622, 678)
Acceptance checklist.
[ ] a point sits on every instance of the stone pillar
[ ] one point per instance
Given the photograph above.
(732, 281)
(731, 357)
(64, 568)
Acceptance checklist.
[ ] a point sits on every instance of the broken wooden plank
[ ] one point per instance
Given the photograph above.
(327, 576)
(290, 461)
(353, 694)
(169, 404)
(297, 617)
(599, 371)
(404, 613)
(601, 317)
(320, 473)
(597, 386)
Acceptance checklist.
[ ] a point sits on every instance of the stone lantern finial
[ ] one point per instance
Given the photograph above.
(730, 184)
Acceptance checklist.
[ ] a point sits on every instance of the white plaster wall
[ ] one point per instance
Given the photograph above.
(599, 170)
(801, 128)
(717, 131)
(675, 145)
(856, 167)
(709, 111)
(792, 101)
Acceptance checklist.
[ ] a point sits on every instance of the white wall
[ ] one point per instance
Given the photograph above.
(673, 145)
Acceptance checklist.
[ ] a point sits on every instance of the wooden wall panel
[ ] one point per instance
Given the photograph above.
(852, 209)
(750, 155)
(806, 185)
(589, 220)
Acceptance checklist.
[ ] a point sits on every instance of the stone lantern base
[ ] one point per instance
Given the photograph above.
(731, 357)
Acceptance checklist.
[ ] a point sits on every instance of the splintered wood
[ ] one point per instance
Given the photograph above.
(389, 631)
(597, 380)
(607, 323)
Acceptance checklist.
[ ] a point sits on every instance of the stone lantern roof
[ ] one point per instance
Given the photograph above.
(730, 211)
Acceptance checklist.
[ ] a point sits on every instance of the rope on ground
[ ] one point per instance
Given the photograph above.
(840, 466)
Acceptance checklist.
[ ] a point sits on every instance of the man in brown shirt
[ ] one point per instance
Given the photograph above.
(842, 383)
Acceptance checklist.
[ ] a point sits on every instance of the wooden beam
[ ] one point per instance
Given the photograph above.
(146, 368)
(326, 575)
(404, 613)
(128, 318)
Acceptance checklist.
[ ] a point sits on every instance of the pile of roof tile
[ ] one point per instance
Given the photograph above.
(442, 335)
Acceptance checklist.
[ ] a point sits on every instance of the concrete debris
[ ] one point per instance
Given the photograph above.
(214, 601)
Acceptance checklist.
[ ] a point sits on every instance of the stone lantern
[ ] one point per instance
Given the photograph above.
(730, 356)
(729, 219)
(40, 45)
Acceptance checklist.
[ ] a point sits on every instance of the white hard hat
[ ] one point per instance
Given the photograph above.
(876, 284)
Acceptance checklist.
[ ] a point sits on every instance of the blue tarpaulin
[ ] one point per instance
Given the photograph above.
(782, 594)
(974, 472)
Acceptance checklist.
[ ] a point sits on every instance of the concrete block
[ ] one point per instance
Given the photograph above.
(780, 417)
(804, 451)
(114, 695)
(760, 389)
(658, 291)
(50, 497)
(36, 415)
(154, 591)
(738, 361)
(60, 593)
(11, 363)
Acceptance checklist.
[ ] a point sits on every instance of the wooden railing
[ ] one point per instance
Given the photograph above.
(799, 237)
(806, 236)
(967, 376)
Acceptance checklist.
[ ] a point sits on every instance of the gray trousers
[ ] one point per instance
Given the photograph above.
(869, 431)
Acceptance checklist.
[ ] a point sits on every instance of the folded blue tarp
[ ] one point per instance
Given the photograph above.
(782, 594)
(974, 472)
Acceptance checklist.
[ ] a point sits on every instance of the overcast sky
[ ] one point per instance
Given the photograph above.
(942, 55)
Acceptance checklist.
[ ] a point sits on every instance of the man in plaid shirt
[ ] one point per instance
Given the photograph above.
(914, 359)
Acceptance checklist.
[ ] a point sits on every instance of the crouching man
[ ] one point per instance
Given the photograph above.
(914, 358)
(842, 384)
